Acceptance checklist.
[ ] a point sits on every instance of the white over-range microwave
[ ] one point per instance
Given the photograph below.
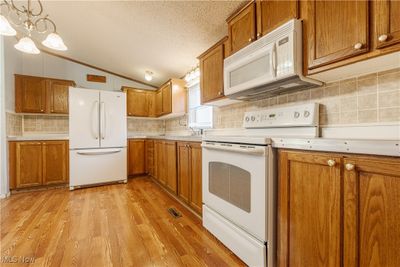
(271, 65)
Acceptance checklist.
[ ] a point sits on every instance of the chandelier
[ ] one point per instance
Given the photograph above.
(30, 20)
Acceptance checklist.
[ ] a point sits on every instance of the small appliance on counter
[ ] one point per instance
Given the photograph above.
(98, 137)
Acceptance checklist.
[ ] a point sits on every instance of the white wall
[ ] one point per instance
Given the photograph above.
(3, 149)
(46, 65)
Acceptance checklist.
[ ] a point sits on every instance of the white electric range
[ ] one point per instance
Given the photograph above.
(240, 180)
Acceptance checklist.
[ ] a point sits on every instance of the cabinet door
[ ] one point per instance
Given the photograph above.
(159, 102)
(149, 148)
(137, 103)
(167, 98)
(159, 161)
(387, 22)
(170, 166)
(57, 92)
(136, 157)
(29, 171)
(183, 171)
(309, 209)
(151, 104)
(55, 162)
(195, 177)
(273, 13)
(30, 94)
(371, 212)
(336, 30)
(242, 28)
(212, 76)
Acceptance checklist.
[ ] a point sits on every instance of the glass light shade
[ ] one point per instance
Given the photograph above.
(26, 45)
(5, 27)
(54, 41)
(148, 76)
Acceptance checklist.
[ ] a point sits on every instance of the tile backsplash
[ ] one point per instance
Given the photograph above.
(145, 126)
(45, 124)
(373, 98)
(14, 124)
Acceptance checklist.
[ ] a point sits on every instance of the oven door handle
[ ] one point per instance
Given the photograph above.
(260, 151)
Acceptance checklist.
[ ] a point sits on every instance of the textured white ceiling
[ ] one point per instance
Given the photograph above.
(129, 37)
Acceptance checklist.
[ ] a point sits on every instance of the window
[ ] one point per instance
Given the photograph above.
(200, 117)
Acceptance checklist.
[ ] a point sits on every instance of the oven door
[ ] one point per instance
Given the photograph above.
(235, 184)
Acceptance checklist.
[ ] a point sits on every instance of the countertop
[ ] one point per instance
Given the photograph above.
(359, 146)
(42, 137)
(39, 137)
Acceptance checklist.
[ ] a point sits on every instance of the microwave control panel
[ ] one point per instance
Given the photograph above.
(291, 116)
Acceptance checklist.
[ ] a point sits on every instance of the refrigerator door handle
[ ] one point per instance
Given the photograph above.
(95, 121)
(103, 120)
(99, 152)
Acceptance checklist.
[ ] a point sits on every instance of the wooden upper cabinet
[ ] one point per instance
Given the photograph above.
(55, 162)
(28, 164)
(57, 91)
(387, 22)
(41, 95)
(336, 30)
(273, 13)
(159, 103)
(151, 104)
(196, 201)
(136, 157)
(137, 104)
(30, 94)
(242, 27)
(371, 212)
(166, 98)
(309, 203)
(211, 72)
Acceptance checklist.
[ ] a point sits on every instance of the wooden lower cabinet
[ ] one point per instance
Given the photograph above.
(55, 162)
(37, 163)
(136, 157)
(159, 161)
(336, 209)
(189, 174)
(149, 157)
(170, 165)
(183, 171)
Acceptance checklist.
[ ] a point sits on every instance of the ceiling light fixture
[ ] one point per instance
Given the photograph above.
(29, 20)
(193, 74)
(148, 75)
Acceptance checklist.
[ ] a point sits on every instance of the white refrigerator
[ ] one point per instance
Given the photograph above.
(97, 137)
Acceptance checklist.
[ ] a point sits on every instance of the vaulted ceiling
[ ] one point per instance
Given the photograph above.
(130, 37)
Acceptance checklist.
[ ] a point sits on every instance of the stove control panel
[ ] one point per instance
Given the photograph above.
(290, 116)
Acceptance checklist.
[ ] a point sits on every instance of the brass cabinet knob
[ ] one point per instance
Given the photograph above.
(349, 166)
(383, 38)
(331, 163)
(258, 34)
(220, 93)
(250, 39)
(358, 46)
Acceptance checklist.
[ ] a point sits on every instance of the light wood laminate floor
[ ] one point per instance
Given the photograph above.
(113, 225)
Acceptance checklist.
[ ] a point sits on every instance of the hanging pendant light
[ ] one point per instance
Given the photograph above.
(5, 27)
(26, 45)
(54, 41)
(30, 20)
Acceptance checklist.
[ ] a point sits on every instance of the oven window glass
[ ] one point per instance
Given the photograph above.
(250, 71)
(230, 183)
